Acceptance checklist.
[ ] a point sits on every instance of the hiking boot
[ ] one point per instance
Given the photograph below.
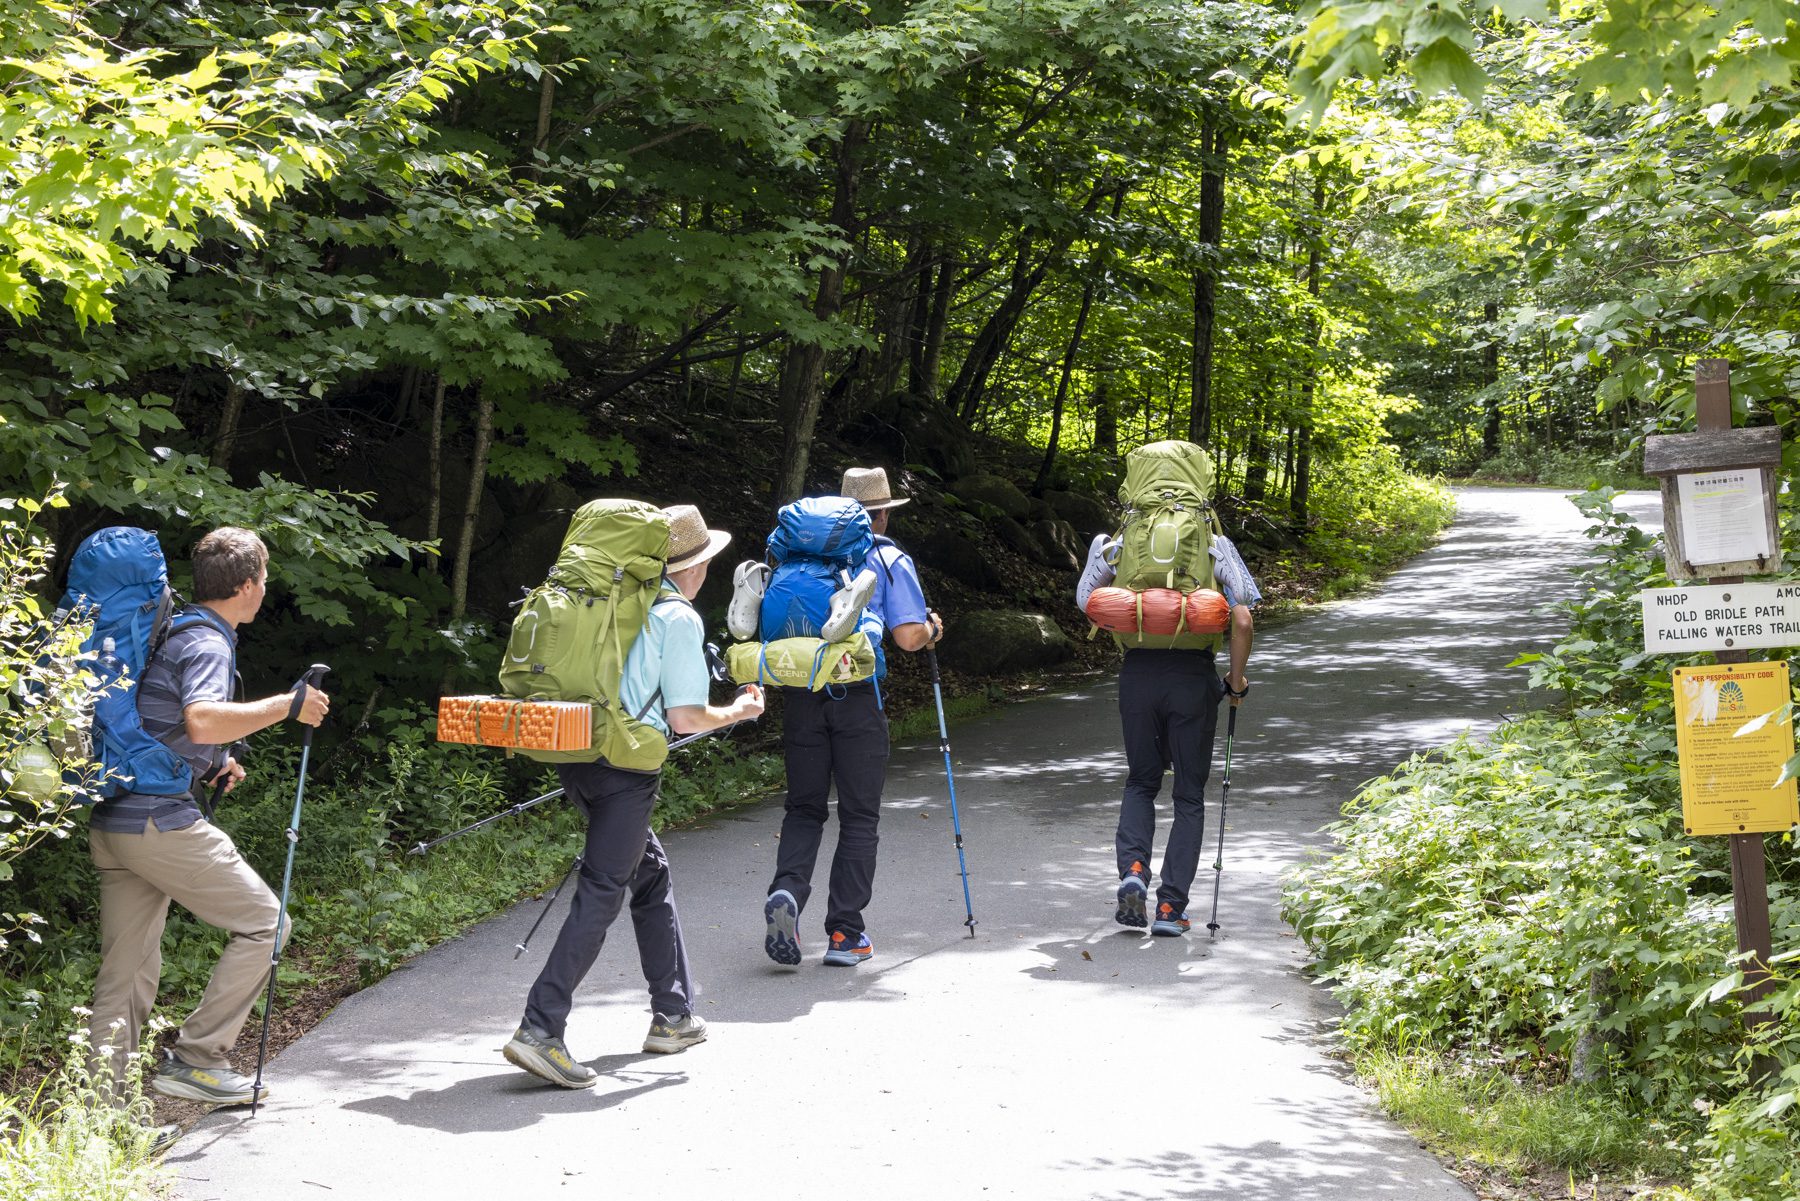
(1168, 923)
(1103, 553)
(847, 604)
(782, 915)
(848, 952)
(748, 583)
(547, 1058)
(210, 1086)
(162, 1137)
(1131, 908)
(671, 1034)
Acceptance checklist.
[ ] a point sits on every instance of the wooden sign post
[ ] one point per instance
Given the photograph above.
(1719, 524)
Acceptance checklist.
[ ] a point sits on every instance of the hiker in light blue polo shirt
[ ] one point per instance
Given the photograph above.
(664, 684)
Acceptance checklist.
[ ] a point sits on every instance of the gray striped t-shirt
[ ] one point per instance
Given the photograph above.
(195, 664)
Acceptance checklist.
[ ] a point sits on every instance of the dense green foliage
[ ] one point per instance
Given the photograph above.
(1530, 900)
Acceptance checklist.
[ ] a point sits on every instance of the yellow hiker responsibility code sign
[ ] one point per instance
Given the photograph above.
(1733, 743)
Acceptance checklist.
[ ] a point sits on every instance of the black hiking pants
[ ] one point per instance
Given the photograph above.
(1169, 704)
(622, 859)
(827, 740)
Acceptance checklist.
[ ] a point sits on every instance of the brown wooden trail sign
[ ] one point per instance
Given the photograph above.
(1746, 461)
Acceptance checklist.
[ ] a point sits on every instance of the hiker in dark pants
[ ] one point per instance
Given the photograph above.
(667, 681)
(150, 850)
(1169, 707)
(840, 735)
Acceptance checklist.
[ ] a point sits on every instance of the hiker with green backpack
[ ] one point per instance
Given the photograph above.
(1169, 686)
(614, 625)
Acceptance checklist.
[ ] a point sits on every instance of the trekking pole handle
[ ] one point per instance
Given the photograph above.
(314, 677)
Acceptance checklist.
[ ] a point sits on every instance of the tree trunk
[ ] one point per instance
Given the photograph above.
(225, 439)
(1300, 508)
(803, 367)
(1490, 376)
(1206, 277)
(1062, 387)
(1106, 419)
(434, 471)
(465, 545)
(984, 351)
(931, 354)
(1102, 255)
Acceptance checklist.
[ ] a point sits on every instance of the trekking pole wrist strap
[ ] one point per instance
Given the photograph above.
(1230, 691)
(299, 701)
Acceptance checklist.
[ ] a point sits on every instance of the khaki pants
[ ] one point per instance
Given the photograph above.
(200, 868)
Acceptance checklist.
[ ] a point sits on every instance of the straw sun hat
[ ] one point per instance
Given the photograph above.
(690, 542)
(869, 485)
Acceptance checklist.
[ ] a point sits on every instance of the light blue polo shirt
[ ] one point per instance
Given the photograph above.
(670, 657)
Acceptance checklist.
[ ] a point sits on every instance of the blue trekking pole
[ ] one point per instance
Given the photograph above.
(937, 693)
(1212, 927)
(315, 675)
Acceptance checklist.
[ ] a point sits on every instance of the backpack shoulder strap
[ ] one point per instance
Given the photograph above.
(663, 597)
(882, 544)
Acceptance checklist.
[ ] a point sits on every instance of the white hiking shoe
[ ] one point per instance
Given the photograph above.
(847, 604)
(748, 583)
(1102, 555)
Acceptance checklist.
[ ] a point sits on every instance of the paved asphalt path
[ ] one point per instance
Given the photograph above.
(1056, 1055)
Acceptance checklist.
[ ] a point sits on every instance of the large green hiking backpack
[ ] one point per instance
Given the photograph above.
(1166, 540)
(573, 632)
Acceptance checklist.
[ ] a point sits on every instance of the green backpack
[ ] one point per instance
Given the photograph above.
(573, 631)
(1166, 540)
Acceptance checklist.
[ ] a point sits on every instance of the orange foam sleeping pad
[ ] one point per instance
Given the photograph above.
(1116, 611)
(506, 722)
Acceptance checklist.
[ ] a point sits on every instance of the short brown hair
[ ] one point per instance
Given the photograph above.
(224, 560)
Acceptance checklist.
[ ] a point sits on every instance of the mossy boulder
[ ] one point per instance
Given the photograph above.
(997, 641)
(994, 490)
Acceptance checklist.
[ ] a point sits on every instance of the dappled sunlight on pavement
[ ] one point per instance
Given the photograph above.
(1056, 1055)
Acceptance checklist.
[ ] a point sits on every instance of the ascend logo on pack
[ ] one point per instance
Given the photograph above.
(1731, 698)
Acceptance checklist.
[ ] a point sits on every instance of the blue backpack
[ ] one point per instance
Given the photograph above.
(814, 539)
(118, 577)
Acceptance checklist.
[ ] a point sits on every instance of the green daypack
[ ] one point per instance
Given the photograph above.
(573, 632)
(1166, 540)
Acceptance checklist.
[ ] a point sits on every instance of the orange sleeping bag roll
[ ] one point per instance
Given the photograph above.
(1159, 611)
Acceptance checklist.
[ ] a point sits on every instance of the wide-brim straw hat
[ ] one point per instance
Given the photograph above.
(869, 487)
(690, 542)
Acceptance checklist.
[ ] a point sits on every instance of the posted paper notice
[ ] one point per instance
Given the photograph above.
(1733, 735)
(1723, 516)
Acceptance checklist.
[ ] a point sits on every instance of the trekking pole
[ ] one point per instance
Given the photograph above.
(535, 801)
(937, 692)
(1212, 927)
(315, 675)
(519, 948)
(521, 807)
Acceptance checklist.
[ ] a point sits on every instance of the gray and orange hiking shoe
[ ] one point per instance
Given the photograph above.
(848, 952)
(210, 1086)
(1131, 897)
(547, 1058)
(671, 1034)
(1168, 923)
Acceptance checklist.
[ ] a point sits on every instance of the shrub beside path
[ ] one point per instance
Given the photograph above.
(1056, 1055)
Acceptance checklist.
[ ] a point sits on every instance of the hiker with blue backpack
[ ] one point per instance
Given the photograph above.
(827, 584)
(1169, 550)
(615, 624)
(164, 738)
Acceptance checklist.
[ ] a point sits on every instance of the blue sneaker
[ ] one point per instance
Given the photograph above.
(782, 916)
(1132, 893)
(1168, 923)
(845, 953)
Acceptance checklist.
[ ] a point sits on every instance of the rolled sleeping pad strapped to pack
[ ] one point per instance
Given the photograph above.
(810, 663)
(1158, 611)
